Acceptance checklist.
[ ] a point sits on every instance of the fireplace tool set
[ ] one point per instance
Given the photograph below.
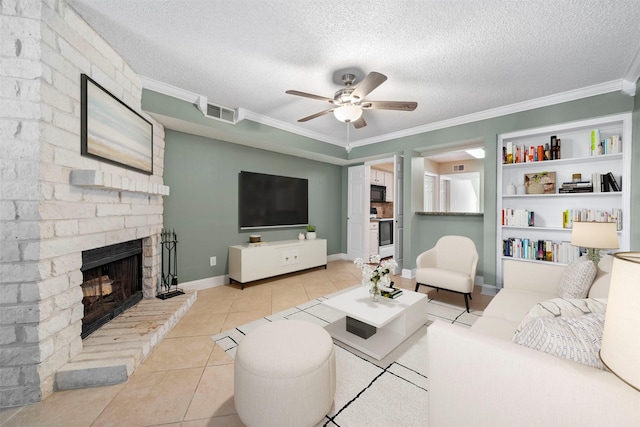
(169, 286)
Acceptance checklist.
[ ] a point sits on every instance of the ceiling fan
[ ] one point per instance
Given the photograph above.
(348, 102)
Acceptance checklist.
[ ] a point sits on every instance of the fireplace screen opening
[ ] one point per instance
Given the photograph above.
(112, 283)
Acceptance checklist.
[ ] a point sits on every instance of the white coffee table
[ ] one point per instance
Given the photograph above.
(393, 320)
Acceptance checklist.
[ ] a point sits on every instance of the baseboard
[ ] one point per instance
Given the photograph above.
(209, 282)
(212, 282)
(336, 257)
(490, 290)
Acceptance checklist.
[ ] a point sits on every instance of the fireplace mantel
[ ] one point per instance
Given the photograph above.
(105, 180)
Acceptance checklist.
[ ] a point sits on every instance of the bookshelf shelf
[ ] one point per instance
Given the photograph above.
(575, 158)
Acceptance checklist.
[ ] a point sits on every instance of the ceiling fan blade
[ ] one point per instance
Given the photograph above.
(309, 95)
(389, 105)
(365, 87)
(360, 123)
(313, 116)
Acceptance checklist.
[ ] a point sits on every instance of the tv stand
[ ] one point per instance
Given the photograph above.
(248, 263)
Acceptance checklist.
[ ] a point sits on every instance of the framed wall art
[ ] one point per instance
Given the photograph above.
(113, 132)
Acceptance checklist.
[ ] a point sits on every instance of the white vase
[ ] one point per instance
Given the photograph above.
(300, 236)
(311, 235)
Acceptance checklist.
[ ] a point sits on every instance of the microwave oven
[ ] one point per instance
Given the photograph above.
(378, 193)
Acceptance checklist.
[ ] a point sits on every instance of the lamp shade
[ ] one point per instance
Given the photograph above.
(347, 113)
(620, 350)
(599, 235)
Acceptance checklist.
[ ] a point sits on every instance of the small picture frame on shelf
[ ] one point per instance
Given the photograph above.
(540, 182)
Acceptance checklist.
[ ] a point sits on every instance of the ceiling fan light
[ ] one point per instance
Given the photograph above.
(347, 113)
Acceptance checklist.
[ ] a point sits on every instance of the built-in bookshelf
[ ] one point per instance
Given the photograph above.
(551, 176)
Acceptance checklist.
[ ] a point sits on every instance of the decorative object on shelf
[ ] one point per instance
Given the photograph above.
(620, 344)
(511, 189)
(311, 232)
(376, 274)
(111, 131)
(594, 236)
(254, 238)
(300, 236)
(169, 286)
(540, 183)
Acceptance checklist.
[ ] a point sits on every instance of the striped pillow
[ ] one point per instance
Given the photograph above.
(573, 338)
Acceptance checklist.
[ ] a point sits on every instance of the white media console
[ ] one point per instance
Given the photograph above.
(248, 263)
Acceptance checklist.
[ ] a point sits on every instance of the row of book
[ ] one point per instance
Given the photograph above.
(395, 293)
(600, 146)
(600, 183)
(518, 217)
(603, 183)
(522, 154)
(540, 250)
(570, 216)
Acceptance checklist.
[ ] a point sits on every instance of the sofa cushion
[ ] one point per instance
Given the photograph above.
(574, 338)
(567, 307)
(514, 304)
(495, 327)
(577, 278)
(600, 286)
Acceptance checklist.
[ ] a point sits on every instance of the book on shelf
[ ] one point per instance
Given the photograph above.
(517, 217)
(540, 250)
(613, 183)
(602, 146)
(603, 183)
(569, 216)
(576, 187)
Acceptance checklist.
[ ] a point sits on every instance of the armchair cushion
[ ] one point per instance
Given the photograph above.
(446, 279)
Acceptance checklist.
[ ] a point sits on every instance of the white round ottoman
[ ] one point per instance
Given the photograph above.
(284, 375)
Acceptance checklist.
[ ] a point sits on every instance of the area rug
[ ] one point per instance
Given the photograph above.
(388, 392)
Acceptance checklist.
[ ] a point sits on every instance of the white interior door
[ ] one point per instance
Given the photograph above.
(398, 212)
(357, 212)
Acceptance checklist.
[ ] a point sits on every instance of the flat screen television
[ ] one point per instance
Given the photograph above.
(272, 201)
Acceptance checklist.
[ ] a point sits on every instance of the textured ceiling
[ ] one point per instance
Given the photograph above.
(452, 57)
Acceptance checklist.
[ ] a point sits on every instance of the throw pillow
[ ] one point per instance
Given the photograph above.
(573, 338)
(577, 278)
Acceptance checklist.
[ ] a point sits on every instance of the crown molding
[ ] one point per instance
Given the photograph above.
(559, 98)
(288, 127)
(633, 72)
(169, 90)
(623, 85)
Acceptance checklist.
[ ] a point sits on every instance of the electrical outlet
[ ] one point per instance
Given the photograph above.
(212, 261)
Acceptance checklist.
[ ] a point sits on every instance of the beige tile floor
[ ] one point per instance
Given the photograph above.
(187, 380)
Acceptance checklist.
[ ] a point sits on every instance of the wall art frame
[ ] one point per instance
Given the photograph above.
(111, 131)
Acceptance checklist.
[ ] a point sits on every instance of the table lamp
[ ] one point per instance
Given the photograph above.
(620, 348)
(595, 236)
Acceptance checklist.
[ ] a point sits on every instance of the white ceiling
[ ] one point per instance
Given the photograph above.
(454, 58)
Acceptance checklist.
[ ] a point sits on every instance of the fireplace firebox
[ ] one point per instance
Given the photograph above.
(112, 283)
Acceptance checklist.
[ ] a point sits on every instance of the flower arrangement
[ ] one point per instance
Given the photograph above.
(376, 274)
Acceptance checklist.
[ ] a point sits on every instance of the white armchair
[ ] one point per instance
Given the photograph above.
(450, 265)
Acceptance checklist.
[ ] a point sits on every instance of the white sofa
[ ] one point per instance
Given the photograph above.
(479, 377)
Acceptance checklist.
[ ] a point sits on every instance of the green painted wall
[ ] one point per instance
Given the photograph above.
(202, 173)
(423, 231)
(203, 205)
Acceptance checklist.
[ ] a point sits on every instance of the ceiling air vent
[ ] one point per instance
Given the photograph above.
(458, 168)
(217, 112)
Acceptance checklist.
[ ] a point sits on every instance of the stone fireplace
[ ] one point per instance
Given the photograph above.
(56, 204)
(111, 283)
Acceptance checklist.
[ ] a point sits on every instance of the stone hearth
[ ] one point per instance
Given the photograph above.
(111, 354)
